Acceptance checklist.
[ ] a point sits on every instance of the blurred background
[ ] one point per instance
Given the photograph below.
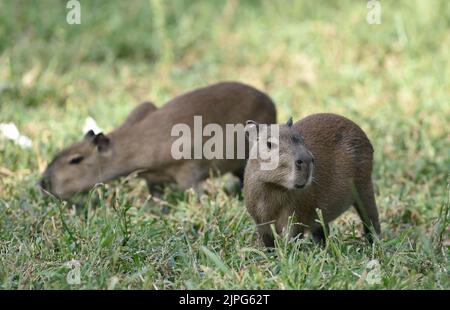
(391, 78)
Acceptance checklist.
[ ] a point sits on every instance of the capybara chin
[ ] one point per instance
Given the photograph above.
(325, 163)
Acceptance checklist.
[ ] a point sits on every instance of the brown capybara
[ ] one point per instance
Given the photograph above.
(325, 163)
(144, 142)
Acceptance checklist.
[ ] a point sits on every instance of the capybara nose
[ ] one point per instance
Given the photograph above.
(43, 184)
(298, 164)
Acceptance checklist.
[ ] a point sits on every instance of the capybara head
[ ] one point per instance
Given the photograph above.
(78, 167)
(295, 166)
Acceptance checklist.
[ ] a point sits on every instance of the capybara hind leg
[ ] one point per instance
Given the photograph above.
(367, 209)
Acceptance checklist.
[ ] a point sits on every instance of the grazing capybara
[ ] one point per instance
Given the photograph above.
(143, 143)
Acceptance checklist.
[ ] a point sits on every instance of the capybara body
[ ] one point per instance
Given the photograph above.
(143, 143)
(325, 164)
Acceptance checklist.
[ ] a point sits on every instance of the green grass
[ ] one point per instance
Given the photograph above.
(392, 79)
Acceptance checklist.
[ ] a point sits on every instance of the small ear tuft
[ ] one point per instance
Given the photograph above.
(89, 134)
(251, 129)
(102, 142)
(250, 123)
(289, 122)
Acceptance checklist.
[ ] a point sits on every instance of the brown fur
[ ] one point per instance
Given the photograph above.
(341, 155)
(143, 142)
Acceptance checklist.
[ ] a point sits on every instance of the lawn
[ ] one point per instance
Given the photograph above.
(393, 79)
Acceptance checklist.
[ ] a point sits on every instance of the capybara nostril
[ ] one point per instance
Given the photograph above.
(298, 164)
(43, 184)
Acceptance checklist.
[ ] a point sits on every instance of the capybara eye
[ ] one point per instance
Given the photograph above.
(76, 160)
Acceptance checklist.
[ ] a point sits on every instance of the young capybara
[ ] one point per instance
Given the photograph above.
(144, 142)
(325, 163)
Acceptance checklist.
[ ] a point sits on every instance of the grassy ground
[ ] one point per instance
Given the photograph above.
(392, 79)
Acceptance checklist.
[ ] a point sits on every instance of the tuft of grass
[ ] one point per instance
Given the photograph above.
(392, 79)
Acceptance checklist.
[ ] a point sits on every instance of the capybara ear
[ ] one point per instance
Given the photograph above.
(102, 142)
(89, 134)
(251, 130)
(250, 123)
(289, 122)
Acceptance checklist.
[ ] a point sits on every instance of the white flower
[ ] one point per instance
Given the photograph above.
(91, 124)
(10, 131)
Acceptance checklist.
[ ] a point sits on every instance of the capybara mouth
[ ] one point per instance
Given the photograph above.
(299, 186)
(310, 174)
